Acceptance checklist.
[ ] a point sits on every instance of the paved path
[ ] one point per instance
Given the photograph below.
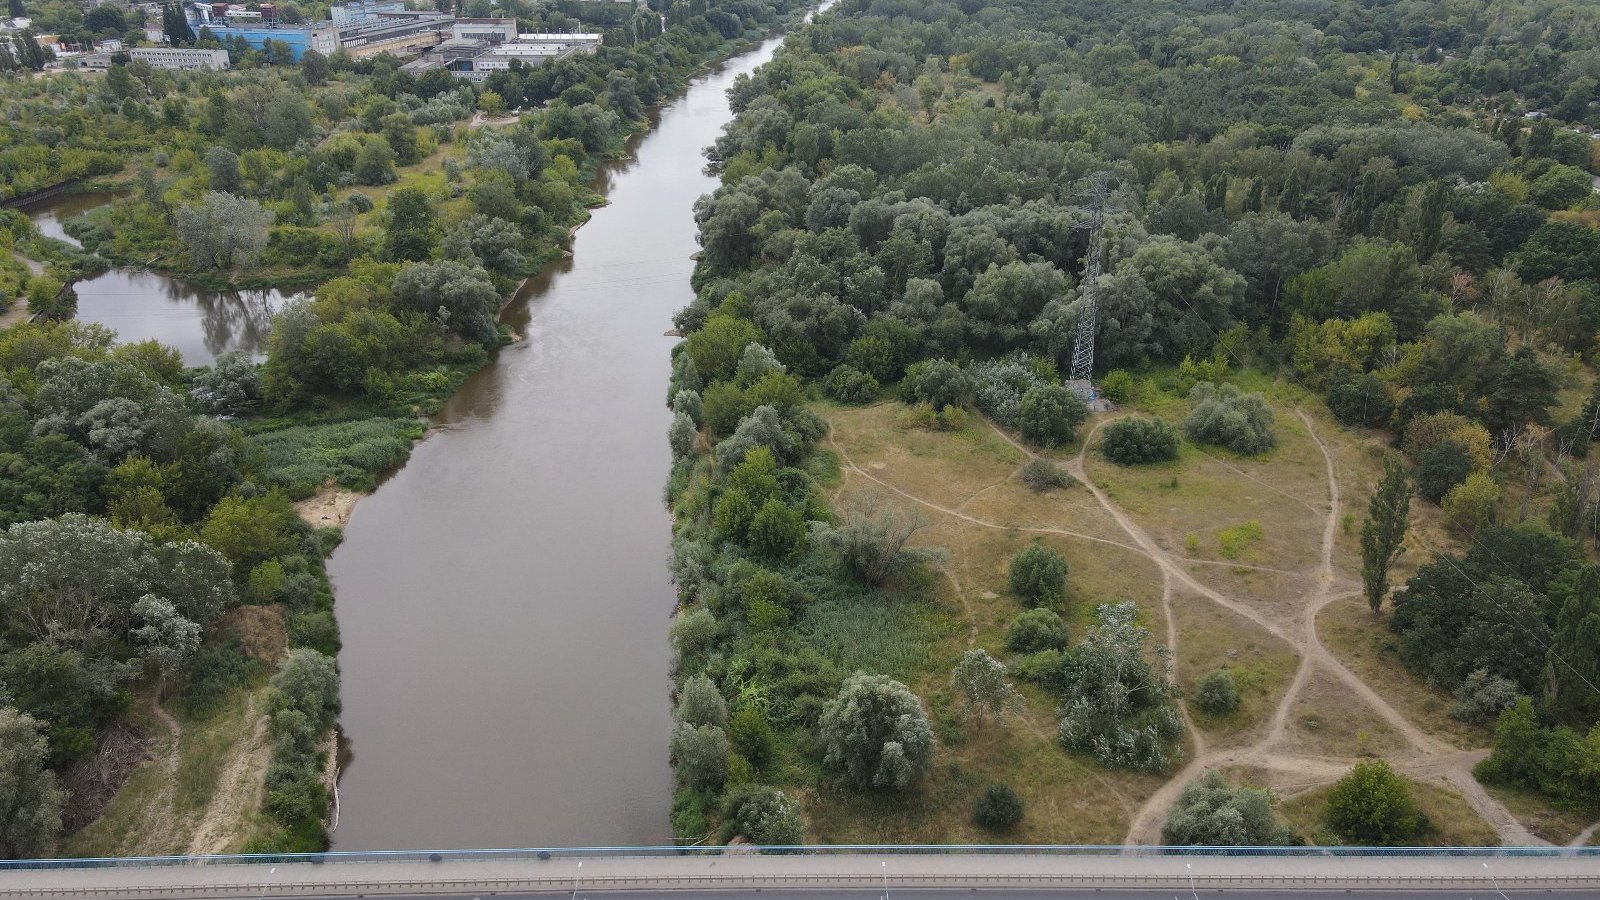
(225, 877)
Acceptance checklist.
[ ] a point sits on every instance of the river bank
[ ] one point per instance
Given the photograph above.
(334, 505)
(515, 562)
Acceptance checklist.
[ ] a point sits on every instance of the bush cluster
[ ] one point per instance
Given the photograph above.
(1374, 805)
(1040, 475)
(1137, 440)
(1228, 417)
(303, 704)
(1039, 575)
(847, 384)
(1217, 692)
(998, 808)
(1034, 630)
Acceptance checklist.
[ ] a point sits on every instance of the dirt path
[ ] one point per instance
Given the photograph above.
(479, 119)
(1433, 757)
(1582, 838)
(1428, 757)
(16, 314)
(961, 598)
(35, 268)
(161, 812)
(238, 793)
(850, 466)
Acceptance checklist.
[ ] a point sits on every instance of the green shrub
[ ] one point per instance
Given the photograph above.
(1050, 415)
(751, 733)
(1483, 696)
(1118, 386)
(265, 582)
(936, 382)
(1235, 540)
(1442, 467)
(876, 734)
(1211, 813)
(1560, 763)
(1136, 440)
(764, 815)
(1363, 400)
(998, 809)
(1374, 805)
(216, 673)
(1040, 475)
(700, 755)
(952, 418)
(1225, 416)
(1049, 669)
(1470, 506)
(1035, 630)
(690, 824)
(1039, 575)
(692, 633)
(722, 405)
(701, 703)
(848, 384)
(313, 628)
(1216, 692)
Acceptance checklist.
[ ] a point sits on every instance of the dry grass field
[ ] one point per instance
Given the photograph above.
(1251, 564)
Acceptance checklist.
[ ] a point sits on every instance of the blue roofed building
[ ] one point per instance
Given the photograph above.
(323, 38)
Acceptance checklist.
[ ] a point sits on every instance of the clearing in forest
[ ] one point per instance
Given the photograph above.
(1246, 563)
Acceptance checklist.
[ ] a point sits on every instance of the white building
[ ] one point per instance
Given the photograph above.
(576, 40)
(360, 11)
(163, 58)
(180, 58)
(495, 31)
(532, 50)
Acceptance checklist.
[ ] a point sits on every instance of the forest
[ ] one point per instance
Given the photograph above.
(1389, 207)
(156, 568)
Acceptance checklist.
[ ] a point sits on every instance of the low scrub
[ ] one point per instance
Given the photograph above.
(350, 454)
(1224, 415)
(1134, 441)
(1040, 475)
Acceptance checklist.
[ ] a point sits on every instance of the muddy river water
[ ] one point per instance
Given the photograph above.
(504, 598)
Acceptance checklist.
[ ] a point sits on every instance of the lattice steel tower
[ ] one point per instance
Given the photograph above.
(1083, 349)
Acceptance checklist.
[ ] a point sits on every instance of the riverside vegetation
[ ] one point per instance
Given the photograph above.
(160, 594)
(1379, 216)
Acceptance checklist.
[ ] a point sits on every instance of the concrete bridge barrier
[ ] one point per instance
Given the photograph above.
(857, 868)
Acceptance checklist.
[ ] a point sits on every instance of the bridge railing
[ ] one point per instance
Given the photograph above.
(891, 850)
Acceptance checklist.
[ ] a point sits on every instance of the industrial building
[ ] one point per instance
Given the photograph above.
(257, 26)
(475, 60)
(162, 58)
(364, 28)
(359, 11)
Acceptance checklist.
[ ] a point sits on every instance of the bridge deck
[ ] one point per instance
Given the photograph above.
(225, 877)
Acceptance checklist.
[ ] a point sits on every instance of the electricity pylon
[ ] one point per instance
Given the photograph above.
(1082, 370)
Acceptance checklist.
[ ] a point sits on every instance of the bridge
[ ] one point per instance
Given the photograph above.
(820, 871)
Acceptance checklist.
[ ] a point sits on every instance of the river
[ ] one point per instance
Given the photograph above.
(504, 599)
(140, 305)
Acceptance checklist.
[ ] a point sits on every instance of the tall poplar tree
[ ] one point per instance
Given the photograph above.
(1384, 531)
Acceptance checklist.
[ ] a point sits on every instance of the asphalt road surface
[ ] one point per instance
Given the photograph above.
(1074, 894)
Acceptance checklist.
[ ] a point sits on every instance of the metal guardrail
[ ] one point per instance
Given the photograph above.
(565, 881)
(578, 853)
